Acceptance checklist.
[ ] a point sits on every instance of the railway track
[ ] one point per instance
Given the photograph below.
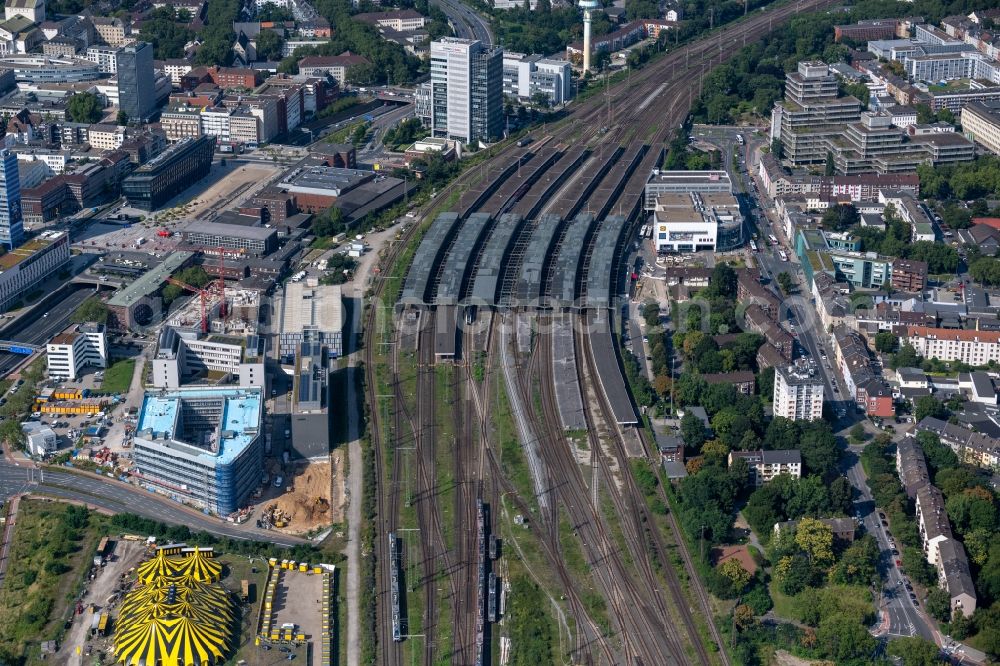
(683, 67)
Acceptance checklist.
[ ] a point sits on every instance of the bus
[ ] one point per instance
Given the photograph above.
(643, 231)
(753, 246)
(771, 237)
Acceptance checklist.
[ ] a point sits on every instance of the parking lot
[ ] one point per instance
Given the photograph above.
(298, 600)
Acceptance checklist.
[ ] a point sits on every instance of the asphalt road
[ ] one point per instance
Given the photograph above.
(41, 329)
(904, 617)
(468, 23)
(122, 498)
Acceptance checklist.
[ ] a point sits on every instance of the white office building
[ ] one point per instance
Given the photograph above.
(526, 75)
(69, 353)
(106, 58)
(41, 440)
(182, 354)
(798, 393)
(466, 90)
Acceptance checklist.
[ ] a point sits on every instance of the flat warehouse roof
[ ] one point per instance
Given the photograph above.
(234, 230)
(317, 307)
(151, 280)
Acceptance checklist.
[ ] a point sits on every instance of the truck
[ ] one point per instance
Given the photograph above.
(245, 590)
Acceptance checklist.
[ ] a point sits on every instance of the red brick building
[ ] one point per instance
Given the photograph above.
(235, 77)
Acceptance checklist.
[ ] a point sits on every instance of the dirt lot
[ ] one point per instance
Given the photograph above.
(783, 658)
(306, 498)
(238, 183)
(125, 555)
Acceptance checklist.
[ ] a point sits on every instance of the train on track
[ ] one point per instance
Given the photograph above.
(396, 588)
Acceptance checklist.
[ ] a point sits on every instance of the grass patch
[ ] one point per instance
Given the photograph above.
(50, 554)
(512, 457)
(809, 605)
(118, 378)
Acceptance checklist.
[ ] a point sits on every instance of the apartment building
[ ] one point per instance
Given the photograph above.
(932, 521)
(106, 58)
(955, 578)
(981, 124)
(971, 347)
(798, 393)
(69, 353)
(870, 391)
(111, 31)
(911, 466)
(909, 275)
(765, 465)
(106, 137)
(182, 122)
(971, 447)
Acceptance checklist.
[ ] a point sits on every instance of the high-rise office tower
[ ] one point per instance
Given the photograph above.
(466, 90)
(11, 224)
(135, 81)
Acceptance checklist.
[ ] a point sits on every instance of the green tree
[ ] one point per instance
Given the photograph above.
(858, 434)
(329, 223)
(816, 540)
(906, 357)
(938, 604)
(736, 574)
(915, 651)
(91, 310)
(842, 638)
(269, 45)
(928, 405)
(84, 108)
(886, 342)
(785, 282)
(122, 118)
(11, 434)
(692, 431)
(985, 271)
(840, 217)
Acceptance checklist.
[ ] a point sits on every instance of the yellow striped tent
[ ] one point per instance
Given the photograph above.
(177, 618)
(160, 565)
(201, 567)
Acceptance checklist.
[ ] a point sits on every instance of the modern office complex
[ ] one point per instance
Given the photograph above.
(11, 224)
(256, 241)
(310, 313)
(525, 76)
(182, 354)
(202, 446)
(693, 211)
(136, 82)
(170, 173)
(814, 124)
(68, 353)
(466, 90)
(798, 393)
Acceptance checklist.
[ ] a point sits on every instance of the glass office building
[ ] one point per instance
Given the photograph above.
(170, 173)
(136, 83)
(11, 223)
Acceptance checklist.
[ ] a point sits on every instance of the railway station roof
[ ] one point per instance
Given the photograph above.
(428, 257)
(600, 275)
(530, 287)
(566, 264)
(459, 262)
(609, 372)
(493, 261)
(567, 384)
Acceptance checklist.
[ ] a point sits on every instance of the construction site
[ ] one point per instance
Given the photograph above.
(301, 504)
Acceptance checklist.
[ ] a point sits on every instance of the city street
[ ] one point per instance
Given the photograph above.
(118, 497)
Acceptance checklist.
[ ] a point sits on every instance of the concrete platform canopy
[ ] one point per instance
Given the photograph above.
(494, 260)
(568, 260)
(458, 265)
(601, 271)
(428, 258)
(537, 257)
